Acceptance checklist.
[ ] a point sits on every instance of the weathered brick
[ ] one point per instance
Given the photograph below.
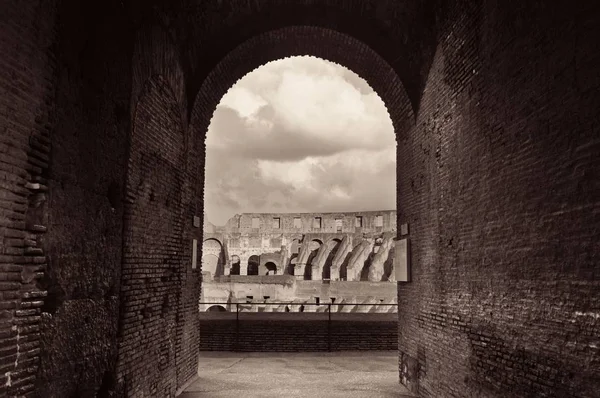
(495, 107)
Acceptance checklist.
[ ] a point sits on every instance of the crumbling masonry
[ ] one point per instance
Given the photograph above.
(351, 253)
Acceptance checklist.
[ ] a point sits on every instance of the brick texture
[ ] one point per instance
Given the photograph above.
(89, 128)
(496, 180)
(153, 258)
(26, 89)
(288, 332)
(103, 115)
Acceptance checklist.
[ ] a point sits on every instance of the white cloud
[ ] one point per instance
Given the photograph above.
(244, 101)
(299, 134)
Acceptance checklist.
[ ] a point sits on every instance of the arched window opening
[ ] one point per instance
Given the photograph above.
(213, 259)
(253, 264)
(216, 308)
(314, 247)
(271, 268)
(299, 146)
(235, 265)
(333, 247)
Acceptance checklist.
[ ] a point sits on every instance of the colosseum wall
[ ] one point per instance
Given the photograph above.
(301, 258)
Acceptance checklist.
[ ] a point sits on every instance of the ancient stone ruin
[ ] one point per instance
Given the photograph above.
(301, 258)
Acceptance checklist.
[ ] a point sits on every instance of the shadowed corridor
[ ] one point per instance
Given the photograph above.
(104, 110)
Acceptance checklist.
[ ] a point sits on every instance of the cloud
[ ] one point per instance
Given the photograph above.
(299, 134)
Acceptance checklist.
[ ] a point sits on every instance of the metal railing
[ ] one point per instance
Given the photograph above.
(240, 306)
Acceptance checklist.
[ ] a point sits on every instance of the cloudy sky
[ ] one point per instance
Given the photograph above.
(299, 135)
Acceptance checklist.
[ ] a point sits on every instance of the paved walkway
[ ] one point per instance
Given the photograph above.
(312, 375)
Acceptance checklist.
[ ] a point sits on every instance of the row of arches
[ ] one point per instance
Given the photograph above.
(254, 267)
(323, 255)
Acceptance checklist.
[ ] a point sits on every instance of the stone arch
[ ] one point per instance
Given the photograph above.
(210, 263)
(235, 265)
(332, 246)
(328, 44)
(295, 246)
(314, 246)
(215, 265)
(271, 268)
(409, 56)
(344, 266)
(253, 264)
(216, 308)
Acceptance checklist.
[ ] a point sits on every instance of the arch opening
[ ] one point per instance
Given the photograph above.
(213, 259)
(253, 265)
(314, 246)
(216, 308)
(333, 246)
(271, 268)
(251, 110)
(235, 265)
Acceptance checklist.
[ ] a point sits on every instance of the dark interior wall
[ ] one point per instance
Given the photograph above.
(153, 248)
(160, 267)
(498, 181)
(27, 67)
(85, 202)
(499, 184)
(69, 93)
(399, 32)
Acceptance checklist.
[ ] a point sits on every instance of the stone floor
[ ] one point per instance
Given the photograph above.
(274, 375)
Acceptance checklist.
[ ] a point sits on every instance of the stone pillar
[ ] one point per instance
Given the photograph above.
(284, 260)
(244, 265)
(334, 273)
(317, 273)
(299, 271)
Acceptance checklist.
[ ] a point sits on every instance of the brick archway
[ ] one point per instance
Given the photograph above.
(319, 42)
(497, 180)
(323, 43)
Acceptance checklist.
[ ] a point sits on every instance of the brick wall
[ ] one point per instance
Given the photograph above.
(497, 177)
(297, 332)
(496, 180)
(154, 260)
(53, 120)
(85, 211)
(25, 116)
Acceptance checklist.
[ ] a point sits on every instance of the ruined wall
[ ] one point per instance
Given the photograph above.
(285, 239)
(499, 184)
(243, 223)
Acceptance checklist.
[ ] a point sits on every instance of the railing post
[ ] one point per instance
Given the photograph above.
(237, 327)
(329, 327)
